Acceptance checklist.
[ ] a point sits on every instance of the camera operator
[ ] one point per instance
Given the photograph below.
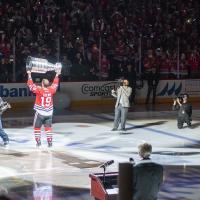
(122, 94)
(184, 109)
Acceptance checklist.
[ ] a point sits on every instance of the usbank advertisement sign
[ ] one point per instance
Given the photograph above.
(14, 91)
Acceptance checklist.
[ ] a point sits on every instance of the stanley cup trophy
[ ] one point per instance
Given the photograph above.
(40, 65)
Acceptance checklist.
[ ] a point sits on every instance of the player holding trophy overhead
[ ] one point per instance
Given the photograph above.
(44, 98)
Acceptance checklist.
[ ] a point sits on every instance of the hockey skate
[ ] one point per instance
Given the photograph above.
(49, 144)
(6, 144)
(38, 144)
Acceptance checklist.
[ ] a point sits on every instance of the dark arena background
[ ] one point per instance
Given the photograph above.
(154, 44)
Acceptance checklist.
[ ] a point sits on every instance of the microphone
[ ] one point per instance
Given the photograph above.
(131, 160)
(106, 164)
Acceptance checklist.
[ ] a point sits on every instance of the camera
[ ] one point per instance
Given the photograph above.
(179, 97)
(120, 82)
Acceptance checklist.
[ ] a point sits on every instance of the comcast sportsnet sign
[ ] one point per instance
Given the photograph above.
(98, 89)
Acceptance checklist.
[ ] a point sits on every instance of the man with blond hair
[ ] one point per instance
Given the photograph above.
(147, 175)
(43, 107)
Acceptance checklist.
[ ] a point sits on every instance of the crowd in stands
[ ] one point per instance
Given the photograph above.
(98, 39)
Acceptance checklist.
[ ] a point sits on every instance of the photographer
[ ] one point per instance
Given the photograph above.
(184, 110)
(122, 104)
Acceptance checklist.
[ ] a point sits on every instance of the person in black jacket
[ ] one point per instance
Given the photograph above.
(131, 75)
(184, 109)
(153, 78)
(147, 175)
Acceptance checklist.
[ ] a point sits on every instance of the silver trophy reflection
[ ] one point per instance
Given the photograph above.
(40, 65)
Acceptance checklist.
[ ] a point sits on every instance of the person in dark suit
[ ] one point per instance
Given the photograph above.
(147, 175)
(152, 82)
(151, 74)
(131, 75)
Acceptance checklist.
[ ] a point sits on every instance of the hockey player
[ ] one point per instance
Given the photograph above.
(3, 107)
(43, 107)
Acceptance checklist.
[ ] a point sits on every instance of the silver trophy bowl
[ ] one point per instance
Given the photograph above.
(40, 65)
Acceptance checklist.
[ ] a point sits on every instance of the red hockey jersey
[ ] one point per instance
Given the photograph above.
(44, 97)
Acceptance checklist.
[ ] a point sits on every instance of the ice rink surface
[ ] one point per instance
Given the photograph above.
(84, 140)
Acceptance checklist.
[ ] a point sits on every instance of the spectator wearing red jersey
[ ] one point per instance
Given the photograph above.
(5, 50)
(149, 62)
(165, 66)
(173, 65)
(193, 63)
(183, 66)
(120, 51)
(105, 67)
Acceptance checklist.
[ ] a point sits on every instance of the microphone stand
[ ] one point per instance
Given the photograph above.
(104, 170)
(104, 177)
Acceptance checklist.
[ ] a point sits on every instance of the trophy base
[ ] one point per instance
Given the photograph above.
(39, 72)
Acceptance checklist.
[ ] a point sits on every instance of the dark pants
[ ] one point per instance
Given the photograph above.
(42, 120)
(183, 119)
(132, 97)
(47, 122)
(152, 82)
(3, 135)
(150, 89)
